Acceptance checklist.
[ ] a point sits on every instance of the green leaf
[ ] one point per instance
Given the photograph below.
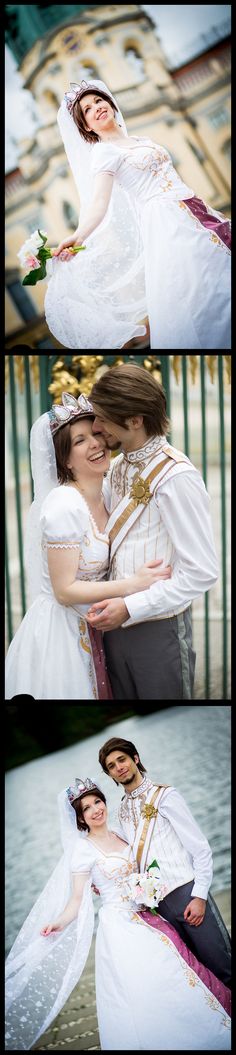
(42, 236)
(34, 276)
(43, 254)
(153, 865)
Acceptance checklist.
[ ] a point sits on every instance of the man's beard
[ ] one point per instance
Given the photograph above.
(129, 781)
(114, 446)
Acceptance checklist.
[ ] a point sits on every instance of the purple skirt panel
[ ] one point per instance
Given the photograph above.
(99, 659)
(207, 219)
(215, 986)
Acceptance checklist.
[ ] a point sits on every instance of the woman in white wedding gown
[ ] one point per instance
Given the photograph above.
(153, 248)
(151, 992)
(55, 654)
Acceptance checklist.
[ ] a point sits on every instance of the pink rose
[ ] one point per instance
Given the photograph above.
(32, 262)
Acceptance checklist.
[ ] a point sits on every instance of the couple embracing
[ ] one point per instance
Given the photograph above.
(115, 553)
(162, 980)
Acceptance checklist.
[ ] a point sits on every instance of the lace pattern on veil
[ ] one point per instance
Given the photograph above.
(42, 972)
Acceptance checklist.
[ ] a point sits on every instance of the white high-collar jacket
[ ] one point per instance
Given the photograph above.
(175, 525)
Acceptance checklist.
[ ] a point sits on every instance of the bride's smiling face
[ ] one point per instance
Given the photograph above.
(94, 811)
(98, 113)
(89, 455)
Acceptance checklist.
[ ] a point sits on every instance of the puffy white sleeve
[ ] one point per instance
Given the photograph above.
(105, 159)
(82, 858)
(63, 519)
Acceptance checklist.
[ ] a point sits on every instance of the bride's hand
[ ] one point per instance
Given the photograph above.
(49, 928)
(63, 250)
(151, 572)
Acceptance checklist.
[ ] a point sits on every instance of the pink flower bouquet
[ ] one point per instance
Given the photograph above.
(34, 255)
(145, 889)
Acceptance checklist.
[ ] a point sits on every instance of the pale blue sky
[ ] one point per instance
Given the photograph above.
(179, 28)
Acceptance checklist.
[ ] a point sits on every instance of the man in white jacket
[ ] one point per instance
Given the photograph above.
(159, 509)
(159, 825)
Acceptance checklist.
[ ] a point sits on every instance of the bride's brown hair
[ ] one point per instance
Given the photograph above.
(126, 390)
(62, 444)
(80, 120)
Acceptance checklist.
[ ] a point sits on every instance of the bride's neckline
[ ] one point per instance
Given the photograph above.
(118, 143)
(104, 534)
(109, 853)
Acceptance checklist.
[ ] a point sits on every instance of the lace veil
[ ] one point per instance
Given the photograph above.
(111, 270)
(42, 972)
(44, 473)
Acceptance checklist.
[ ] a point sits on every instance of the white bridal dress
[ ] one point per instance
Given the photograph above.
(148, 997)
(50, 656)
(183, 285)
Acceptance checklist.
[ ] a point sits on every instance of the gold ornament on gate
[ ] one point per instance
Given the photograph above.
(140, 491)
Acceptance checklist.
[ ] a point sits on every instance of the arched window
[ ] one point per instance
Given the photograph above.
(84, 71)
(135, 61)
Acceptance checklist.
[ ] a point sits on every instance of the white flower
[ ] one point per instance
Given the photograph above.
(149, 887)
(22, 256)
(30, 246)
(154, 873)
(36, 238)
(145, 889)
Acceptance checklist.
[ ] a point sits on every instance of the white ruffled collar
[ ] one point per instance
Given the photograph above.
(153, 444)
(144, 786)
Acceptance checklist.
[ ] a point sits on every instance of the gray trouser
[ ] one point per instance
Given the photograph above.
(153, 660)
(210, 942)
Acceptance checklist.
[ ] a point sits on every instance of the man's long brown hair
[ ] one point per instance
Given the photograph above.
(117, 744)
(126, 390)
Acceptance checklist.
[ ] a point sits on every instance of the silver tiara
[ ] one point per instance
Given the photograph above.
(69, 410)
(79, 788)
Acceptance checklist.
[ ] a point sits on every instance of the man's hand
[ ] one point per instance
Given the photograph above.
(195, 911)
(109, 614)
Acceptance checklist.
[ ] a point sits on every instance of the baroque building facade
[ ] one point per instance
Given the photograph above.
(186, 108)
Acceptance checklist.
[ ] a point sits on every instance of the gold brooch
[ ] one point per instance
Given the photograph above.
(149, 812)
(140, 491)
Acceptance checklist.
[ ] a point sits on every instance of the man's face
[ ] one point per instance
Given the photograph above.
(121, 767)
(114, 434)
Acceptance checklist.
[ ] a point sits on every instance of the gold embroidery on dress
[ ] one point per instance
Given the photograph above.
(191, 978)
(212, 237)
(84, 634)
(118, 874)
(84, 642)
(154, 165)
